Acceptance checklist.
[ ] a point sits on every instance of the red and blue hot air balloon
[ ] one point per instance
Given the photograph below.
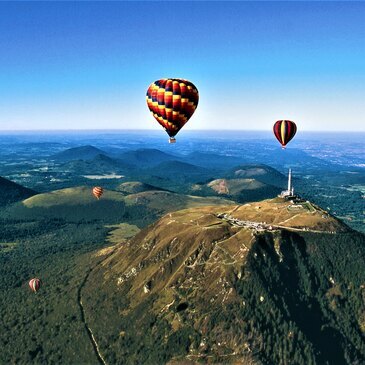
(172, 102)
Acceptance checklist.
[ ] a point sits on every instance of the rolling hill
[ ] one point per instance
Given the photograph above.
(78, 153)
(134, 187)
(79, 205)
(219, 285)
(12, 192)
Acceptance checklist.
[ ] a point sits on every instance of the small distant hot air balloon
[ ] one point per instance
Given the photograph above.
(34, 284)
(98, 192)
(284, 131)
(172, 102)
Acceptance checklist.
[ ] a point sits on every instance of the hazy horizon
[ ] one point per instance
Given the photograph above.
(158, 130)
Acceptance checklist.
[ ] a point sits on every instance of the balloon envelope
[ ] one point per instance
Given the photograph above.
(284, 131)
(172, 102)
(98, 191)
(34, 284)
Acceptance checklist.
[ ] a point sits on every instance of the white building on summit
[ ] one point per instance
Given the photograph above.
(290, 192)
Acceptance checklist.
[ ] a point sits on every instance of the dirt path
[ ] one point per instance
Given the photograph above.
(88, 329)
(90, 333)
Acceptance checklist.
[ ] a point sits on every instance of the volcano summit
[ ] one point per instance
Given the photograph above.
(266, 282)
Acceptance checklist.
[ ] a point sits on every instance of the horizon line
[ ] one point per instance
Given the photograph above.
(154, 130)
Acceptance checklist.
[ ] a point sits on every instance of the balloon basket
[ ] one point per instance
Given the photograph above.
(172, 140)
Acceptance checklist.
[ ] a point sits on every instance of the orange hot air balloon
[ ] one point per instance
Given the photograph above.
(98, 192)
(172, 102)
(284, 131)
(34, 284)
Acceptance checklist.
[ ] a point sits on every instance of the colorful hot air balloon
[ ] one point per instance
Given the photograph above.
(172, 102)
(34, 284)
(284, 131)
(98, 192)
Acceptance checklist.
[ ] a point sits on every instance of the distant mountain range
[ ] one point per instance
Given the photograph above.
(152, 162)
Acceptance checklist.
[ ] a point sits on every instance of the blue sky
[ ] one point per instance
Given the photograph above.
(87, 65)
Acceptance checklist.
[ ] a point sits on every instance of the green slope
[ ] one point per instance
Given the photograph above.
(79, 205)
(194, 287)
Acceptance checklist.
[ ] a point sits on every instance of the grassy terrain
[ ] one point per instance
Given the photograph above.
(121, 232)
(190, 286)
(79, 205)
(193, 287)
(59, 237)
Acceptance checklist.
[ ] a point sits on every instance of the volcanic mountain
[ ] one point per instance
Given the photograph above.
(270, 282)
(241, 190)
(134, 187)
(78, 203)
(262, 173)
(97, 165)
(12, 192)
(78, 153)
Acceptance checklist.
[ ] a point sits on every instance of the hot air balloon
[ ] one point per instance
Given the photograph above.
(34, 284)
(172, 102)
(284, 131)
(98, 192)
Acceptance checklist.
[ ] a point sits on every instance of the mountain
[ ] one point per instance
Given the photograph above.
(100, 164)
(146, 157)
(263, 283)
(234, 186)
(12, 192)
(78, 153)
(78, 204)
(134, 187)
(103, 160)
(240, 190)
(262, 173)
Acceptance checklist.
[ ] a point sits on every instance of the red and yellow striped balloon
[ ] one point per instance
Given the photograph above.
(284, 131)
(34, 284)
(172, 102)
(98, 191)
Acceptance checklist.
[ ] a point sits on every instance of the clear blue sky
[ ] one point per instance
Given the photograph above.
(76, 65)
